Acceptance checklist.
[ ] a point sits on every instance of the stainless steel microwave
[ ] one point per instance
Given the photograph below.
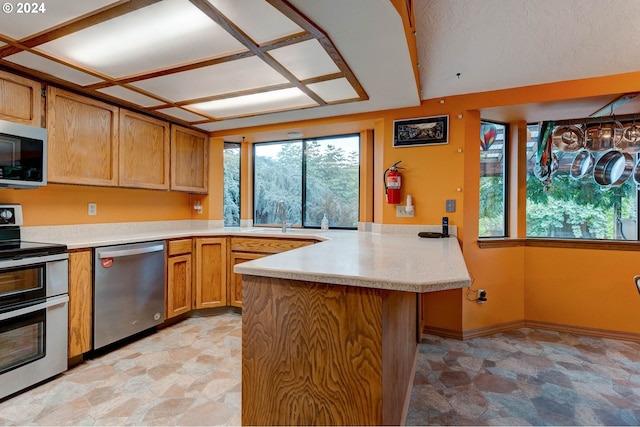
(23, 155)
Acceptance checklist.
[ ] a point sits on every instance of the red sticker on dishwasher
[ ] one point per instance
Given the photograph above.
(107, 262)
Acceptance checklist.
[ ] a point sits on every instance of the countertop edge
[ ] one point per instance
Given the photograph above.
(347, 246)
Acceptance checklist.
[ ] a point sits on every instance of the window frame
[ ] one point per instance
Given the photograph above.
(303, 159)
(618, 244)
(506, 182)
(237, 145)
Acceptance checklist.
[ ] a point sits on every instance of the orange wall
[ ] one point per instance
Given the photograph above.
(587, 288)
(584, 288)
(58, 204)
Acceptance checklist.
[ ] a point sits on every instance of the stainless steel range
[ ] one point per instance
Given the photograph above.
(34, 288)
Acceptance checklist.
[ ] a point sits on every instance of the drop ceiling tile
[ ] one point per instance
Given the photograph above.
(277, 100)
(185, 115)
(334, 90)
(305, 60)
(37, 62)
(227, 77)
(258, 19)
(19, 25)
(158, 36)
(130, 96)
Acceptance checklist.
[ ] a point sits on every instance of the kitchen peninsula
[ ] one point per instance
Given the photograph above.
(329, 331)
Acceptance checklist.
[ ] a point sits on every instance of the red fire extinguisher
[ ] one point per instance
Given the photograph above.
(393, 183)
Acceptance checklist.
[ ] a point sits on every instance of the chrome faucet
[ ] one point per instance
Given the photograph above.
(282, 208)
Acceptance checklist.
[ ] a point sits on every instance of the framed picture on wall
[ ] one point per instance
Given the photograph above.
(422, 131)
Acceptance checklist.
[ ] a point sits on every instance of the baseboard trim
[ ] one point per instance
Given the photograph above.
(442, 332)
(517, 324)
(493, 329)
(581, 330)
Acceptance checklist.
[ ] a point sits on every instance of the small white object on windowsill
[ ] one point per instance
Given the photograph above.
(324, 224)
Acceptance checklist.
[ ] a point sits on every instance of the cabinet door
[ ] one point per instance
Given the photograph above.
(267, 245)
(144, 151)
(211, 272)
(83, 139)
(20, 100)
(178, 285)
(189, 160)
(235, 286)
(80, 302)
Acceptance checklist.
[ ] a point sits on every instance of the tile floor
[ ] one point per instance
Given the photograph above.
(526, 377)
(189, 374)
(186, 374)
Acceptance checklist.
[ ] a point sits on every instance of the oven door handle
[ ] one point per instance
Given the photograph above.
(129, 252)
(50, 302)
(21, 262)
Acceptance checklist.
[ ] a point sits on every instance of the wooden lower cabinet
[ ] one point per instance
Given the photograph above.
(235, 282)
(179, 277)
(249, 248)
(80, 302)
(211, 272)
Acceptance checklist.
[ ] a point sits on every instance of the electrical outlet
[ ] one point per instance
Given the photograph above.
(450, 205)
(401, 212)
(482, 296)
(92, 209)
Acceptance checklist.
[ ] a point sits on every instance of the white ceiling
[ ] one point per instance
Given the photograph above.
(499, 44)
(492, 44)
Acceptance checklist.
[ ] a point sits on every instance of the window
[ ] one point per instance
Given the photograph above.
(313, 177)
(569, 203)
(493, 200)
(231, 156)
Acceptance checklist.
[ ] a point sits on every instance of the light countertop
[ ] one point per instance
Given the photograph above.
(382, 261)
(393, 261)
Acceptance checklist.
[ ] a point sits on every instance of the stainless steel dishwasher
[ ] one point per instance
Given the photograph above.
(128, 290)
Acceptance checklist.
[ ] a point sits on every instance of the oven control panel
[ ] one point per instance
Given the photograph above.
(10, 215)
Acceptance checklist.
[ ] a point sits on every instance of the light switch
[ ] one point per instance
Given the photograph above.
(450, 205)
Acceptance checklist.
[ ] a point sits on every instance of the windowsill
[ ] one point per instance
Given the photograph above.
(505, 242)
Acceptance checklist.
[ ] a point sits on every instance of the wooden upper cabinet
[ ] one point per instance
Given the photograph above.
(144, 151)
(189, 160)
(83, 139)
(20, 100)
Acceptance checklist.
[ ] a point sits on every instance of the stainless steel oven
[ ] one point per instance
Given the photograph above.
(33, 308)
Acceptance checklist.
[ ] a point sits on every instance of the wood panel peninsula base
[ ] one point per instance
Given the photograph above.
(326, 354)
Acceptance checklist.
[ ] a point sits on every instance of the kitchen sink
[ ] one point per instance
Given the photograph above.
(279, 231)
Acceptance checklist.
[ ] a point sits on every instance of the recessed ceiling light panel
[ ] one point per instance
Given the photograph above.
(185, 115)
(305, 60)
(227, 77)
(258, 19)
(44, 65)
(20, 25)
(161, 35)
(277, 100)
(334, 90)
(130, 96)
